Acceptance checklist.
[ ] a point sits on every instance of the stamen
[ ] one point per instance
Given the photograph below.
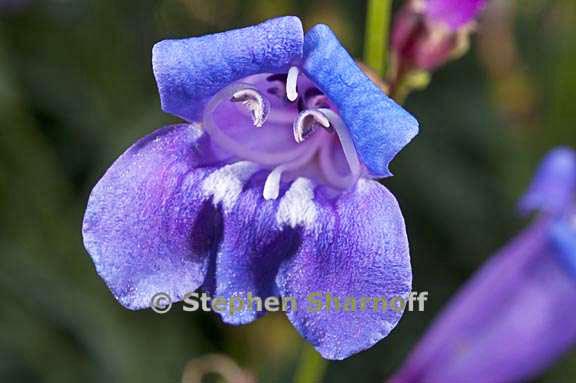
(239, 148)
(307, 122)
(257, 104)
(291, 84)
(346, 141)
(320, 158)
(272, 184)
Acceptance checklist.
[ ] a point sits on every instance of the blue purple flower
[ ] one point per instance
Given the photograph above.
(516, 315)
(266, 189)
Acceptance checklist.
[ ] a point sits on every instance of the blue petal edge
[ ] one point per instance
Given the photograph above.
(147, 226)
(189, 71)
(554, 184)
(564, 238)
(380, 128)
(348, 254)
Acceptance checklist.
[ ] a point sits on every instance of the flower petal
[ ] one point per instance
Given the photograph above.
(563, 235)
(454, 13)
(189, 71)
(509, 322)
(353, 246)
(146, 226)
(554, 185)
(251, 252)
(380, 128)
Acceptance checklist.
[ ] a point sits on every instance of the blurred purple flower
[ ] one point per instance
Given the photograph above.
(552, 190)
(267, 190)
(427, 33)
(517, 314)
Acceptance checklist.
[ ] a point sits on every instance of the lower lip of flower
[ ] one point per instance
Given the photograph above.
(285, 124)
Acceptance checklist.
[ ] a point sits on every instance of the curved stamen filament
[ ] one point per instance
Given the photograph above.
(347, 144)
(235, 147)
(291, 83)
(257, 104)
(333, 177)
(307, 122)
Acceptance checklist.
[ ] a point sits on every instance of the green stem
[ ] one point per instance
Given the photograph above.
(311, 367)
(376, 37)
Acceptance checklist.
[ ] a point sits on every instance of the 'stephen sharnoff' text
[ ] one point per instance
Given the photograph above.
(313, 302)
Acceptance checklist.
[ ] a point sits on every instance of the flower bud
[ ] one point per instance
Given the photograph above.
(428, 33)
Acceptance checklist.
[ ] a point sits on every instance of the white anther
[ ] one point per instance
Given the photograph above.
(307, 122)
(272, 184)
(291, 84)
(257, 104)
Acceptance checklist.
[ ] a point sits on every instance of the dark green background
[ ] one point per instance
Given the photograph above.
(76, 89)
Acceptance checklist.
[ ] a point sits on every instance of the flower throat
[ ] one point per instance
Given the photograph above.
(284, 123)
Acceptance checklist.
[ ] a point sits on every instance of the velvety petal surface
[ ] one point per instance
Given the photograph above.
(148, 227)
(356, 246)
(251, 251)
(454, 13)
(380, 128)
(510, 322)
(553, 187)
(190, 71)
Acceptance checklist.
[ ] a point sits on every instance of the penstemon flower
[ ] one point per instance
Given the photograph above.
(427, 33)
(267, 189)
(516, 315)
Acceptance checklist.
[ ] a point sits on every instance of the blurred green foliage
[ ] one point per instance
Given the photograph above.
(76, 88)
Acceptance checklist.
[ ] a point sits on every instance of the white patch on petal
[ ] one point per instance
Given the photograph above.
(198, 127)
(297, 206)
(226, 184)
(362, 185)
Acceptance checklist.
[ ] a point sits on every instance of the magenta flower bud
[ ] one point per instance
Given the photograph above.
(427, 33)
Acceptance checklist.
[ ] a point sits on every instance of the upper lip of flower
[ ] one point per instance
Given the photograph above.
(377, 127)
